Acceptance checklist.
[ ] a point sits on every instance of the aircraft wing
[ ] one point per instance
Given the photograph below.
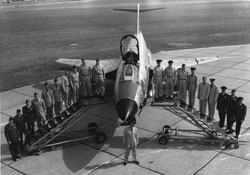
(189, 61)
(109, 65)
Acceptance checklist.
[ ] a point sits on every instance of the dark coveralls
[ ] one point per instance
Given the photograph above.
(12, 137)
(29, 119)
(20, 125)
(232, 103)
(222, 107)
(240, 117)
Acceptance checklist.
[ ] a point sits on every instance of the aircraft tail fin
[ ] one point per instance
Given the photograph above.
(138, 11)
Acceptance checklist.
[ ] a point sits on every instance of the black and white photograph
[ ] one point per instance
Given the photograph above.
(125, 87)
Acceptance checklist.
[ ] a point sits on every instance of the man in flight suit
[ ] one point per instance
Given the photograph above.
(241, 111)
(130, 140)
(169, 76)
(57, 90)
(74, 84)
(85, 74)
(21, 127)
(222, 105)
(158, 75)
(12, 137)
(203, 93)
(231, 112)
(66, 88)
(39, 110)
(212, 99)
(192, 87)
(48, 97)
(99, 77)
(29, 117)
(182, 82)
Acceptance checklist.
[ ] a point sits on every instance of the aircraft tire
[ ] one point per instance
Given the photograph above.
(100, 137)
(92, 128)
(163, 140)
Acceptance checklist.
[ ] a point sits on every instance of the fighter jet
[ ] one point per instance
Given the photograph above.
(133, 70)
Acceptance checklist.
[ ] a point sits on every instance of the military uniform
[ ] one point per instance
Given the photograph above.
(222, 106)
(29, 119)
(39, 111)
(130, 140)
(48, 97)
(203, 93)
(241, 111)
(74, 84)
(158, 75)
(231, 112)
(182, 83)
(192, 87)
(18, 120)
(99, 76)
(57, 90)
(12, 137)
(66, 90)
(85, 78)
(212, 99)
(169, 74)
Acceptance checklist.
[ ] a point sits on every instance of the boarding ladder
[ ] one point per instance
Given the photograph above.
(210, 131)
(56, 129)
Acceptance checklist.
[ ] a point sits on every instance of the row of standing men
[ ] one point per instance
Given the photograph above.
(208, 94)
(21, 128)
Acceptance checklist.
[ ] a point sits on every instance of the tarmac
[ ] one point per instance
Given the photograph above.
(176, 158)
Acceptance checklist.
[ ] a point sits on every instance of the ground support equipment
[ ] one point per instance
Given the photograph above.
(55, 131)
(211, 133)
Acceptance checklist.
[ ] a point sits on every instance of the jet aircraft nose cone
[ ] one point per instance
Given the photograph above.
(126, 109)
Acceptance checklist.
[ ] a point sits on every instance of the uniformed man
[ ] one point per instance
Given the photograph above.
(12, 137)
(29, 117)
(74, 84)
(66, 88)
(192, 87)
(57, 90)
(169, 76)
(182, 83)
(222, 105)
(212, 99)
(49, 100)
(99, 77)
(39, 110)
(130, 140)
(231, 112)
(21, 128)
(85, 74)
(203, 93)
(241, 111)
(158, 76)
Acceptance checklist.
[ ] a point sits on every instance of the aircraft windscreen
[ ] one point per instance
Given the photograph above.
(130, 72)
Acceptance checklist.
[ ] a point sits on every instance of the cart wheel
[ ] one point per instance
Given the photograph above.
(166, 128)
(92, 128)
(100, 137)
(163, 140)
(236, 145)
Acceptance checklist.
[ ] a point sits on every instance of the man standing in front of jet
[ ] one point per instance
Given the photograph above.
(130, 140)
(158, 75)
(99, 77)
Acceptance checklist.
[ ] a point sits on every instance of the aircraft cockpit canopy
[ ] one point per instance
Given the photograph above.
(129, 47)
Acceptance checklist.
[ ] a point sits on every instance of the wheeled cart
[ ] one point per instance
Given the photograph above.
(55, 132)
(211, 133)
